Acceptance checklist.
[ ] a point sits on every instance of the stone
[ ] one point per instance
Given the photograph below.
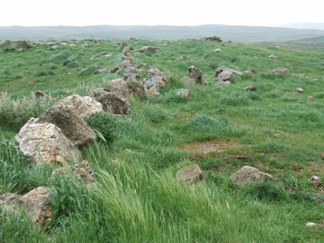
(225, 83)
(83, 106)
(39, 94)
(310, 224)
(131, 73)
(273, 57)
(226, 75)
(136, 88)
(190, 173)
(184, 93)
(37, 205)
(247, 175)
(299, 90)
(322, 155)
(10, 202)
(310, 98)
(153, 91)
(187, 80)
(155, 78)
(118, 86)
(149, 49)
(217, 50)
(280, 72)
(250, 88)
(315, 180)
(45, 143)
(124, 64)
(111, 102)
(23, 45)
(84, 171)
(196, 75)
(72, 125)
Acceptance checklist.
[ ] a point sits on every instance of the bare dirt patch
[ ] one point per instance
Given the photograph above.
(211, 146)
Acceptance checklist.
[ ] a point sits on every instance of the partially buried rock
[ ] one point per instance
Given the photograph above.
(184, 93)
(280, 72)
(196, 74)
(187, 80)
(37, 205)
(35, 202)
(131, 73)
(118, 86)
(84, 171)
(45, 143)
(111, 102)
(149, 49)
(155, 78)
(250, 88)
(190, 173)
(39, 94)
(136, 88)
(247, 175)
(72, 126)
(224, 75)
(299, 90)
(83, 106)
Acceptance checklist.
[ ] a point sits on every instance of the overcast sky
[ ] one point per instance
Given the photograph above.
(159, 12)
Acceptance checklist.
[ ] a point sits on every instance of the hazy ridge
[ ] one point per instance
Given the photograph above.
(226, 32)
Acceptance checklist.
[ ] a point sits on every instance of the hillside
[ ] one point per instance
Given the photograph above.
(226, 32)
(139, 191)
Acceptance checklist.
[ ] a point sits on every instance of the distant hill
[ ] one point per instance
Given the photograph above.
(313, 26)
(310, 42)
(225, 32)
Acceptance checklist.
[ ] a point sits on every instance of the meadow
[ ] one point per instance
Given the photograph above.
(137, 197)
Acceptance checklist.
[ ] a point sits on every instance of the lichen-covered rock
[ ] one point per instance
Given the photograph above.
(196, 74)
(37, 205)
(247, 175)
(131, 73)
(84, 171)
(45, 143)
(136, 88)
(83, 106)
(111, 102)
(118, 86)
(149, 49)
(224, 74)
(184, 93)
(155, 78)
(280, 72)
(190, 173)
(72, 125)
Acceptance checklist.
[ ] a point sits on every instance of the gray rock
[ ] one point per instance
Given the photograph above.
(72, 126)
(131, 73)
(149, 49)
(136, 88)
(35, 203)
(155, 78)
(83, 106)
(118, 86)
(280, 72)
(247, 175)
(45, 143)
(196, 75)
(111, 102)
(190, 173)
(184, 93)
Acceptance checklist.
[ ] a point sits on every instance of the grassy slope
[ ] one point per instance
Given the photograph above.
(138, 198)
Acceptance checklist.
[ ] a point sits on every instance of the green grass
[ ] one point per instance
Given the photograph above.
(136, 197)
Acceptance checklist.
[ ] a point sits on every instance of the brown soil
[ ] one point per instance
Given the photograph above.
(211, 146)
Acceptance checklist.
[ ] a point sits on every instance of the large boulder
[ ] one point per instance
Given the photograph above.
(111, 101)
(118, 86)
(155, 78)
(247, 175)
(136, 88)
(131, 73)
(35, 203)
(45, 143)
(83, 106)
(72, 125)
(196, 75)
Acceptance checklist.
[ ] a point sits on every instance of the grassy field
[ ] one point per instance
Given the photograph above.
(137, 198)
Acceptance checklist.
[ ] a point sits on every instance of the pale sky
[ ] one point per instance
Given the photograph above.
(159, 12)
